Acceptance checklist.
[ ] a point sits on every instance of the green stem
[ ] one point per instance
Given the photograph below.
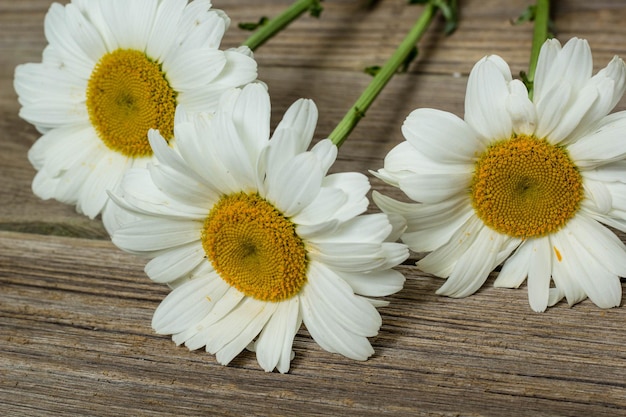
(540, 34)
(357, 111)
(277, 24)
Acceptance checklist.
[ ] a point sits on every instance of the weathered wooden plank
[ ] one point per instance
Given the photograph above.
(75, 329)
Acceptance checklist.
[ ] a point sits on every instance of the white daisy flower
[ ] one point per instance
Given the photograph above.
(529, 182)
(113, 69)
(255, 238)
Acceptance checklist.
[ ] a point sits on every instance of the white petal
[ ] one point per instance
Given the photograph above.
(243, 339)
(57, 34)
(601, 145)
(50, 150)
(485, 101)
(539, 273)
(175, 263)
(326, 153)
(355, 257)
(130, 22)
(347, 257)
(239, 69)
(570, 119)
(598, 195)
(547, 55)
(52, 112)
(515, 269)
(366, 228)
(571, 64)
(328, 332)
(235, 323)
(600, 285)
(322, 209)
(521, 109)
(428, 226)
(551, 108)
(105, 175)
(435, 188)
(565, 267)
(600, 243)
(441, 261)
(164, 30)
(35, 81)
(143, 190)
(156, 234)
(194, 69)
(225, 299)
(375, 283)
(201, 27)
(251, 116)
(355, 186)
(336, 296)
(185, 306)
(273, 347)
(301, 117)
(294, 132)
(295, 185)
(473, 267)
(84, 33)
(441, 136)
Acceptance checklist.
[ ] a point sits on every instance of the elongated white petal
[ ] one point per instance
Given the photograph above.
(521, 109)
(151, 235)
(485, 101)
(328, 332)
(106, 174)
(603, 144)
(434, 188)
(175, 263)
(256, 319)
(441, 136)
(374, 283)
(185, 306)
(295, 185)
(336, 296)
(441, 261)
(515, 269)
(473, 267)
(273, 347)
(539, 274)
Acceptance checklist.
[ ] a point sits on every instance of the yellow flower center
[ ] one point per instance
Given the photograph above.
(254, 248)
(526, 187)
(127, 94)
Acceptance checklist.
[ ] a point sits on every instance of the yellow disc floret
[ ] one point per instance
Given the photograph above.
(526, 187)
(254, 248)
(127, 95)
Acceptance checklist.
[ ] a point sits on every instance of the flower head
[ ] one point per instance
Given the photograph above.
(526, 181)
(256, 238)
(112, 70)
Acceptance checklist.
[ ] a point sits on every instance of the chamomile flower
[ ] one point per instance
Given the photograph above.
(256, 238)
(526, 181)
(113, 69)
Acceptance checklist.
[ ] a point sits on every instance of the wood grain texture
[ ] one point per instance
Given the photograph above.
(75, 312)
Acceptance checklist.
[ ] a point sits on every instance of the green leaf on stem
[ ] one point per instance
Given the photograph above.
(373, 70)
(316, 9)
(253, 26)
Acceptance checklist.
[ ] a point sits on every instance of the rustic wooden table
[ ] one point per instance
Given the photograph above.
(75, 336)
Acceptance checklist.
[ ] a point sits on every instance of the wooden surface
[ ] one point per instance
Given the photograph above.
(75, 336)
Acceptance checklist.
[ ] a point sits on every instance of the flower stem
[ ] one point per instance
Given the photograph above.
(540, 34)
(357, 111)
(272, 27)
